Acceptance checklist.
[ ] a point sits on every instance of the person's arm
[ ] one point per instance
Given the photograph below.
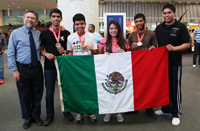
(11, 55)
(70, 53)
(193, 36)
(154, 42)
(47, 55)
(182, 47)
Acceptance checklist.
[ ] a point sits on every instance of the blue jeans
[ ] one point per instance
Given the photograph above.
(1, 67)
(196, 51)
(50, 78)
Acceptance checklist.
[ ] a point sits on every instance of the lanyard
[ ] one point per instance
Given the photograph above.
(140, 38)
(115, 42)
(57, 38)
(82, 43)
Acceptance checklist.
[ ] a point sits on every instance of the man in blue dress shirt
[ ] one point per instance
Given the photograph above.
(91, 29)
(27, 71)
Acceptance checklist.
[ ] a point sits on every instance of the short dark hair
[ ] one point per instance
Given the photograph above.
(31, 11)
(48, 24)
(55, 11)
(78, 17)
(92, 26)
(139, 15)
(170, 6)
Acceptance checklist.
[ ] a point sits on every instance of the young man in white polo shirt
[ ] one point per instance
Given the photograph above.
(81, 43)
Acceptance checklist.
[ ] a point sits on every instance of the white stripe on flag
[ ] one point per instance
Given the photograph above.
(114, 103)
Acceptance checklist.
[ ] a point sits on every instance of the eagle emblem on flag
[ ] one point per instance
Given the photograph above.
(115, 83)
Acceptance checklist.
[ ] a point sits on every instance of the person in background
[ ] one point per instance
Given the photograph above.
(2, 49)
(196, 44)
(91, 29)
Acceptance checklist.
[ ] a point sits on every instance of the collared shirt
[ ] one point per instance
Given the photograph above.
(197, 34)
(176, 35)
(98, 37)
(19, 47)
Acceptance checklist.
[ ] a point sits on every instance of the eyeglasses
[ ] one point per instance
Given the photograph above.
(113, 28)
(32, 18)
(169, 12)
(58, 16)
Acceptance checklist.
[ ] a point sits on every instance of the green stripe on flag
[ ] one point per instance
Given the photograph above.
(78, 84)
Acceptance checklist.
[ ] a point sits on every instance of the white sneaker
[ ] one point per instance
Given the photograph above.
(161, 113)
(92, 117)
(119, 117)
(79, 118)
(107, 118)
(175, 121)
(194, 66)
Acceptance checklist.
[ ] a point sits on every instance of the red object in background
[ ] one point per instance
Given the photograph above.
(41, 29)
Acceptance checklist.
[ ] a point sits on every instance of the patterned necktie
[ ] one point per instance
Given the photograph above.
(34, 59)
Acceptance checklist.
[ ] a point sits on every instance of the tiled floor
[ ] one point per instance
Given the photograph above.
(10, 116)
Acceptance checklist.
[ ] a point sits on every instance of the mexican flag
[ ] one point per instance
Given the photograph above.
(113, 83)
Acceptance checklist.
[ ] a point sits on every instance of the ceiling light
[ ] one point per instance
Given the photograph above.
(18, 7)
(13, 3)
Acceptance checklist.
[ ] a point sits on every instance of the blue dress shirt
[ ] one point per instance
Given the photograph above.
(19, 47)
(98, 37)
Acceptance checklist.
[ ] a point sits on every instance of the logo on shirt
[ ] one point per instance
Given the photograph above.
(62, 38)
(115, 83)
(174, 31)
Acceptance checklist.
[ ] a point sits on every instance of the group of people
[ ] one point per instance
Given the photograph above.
(26, 45)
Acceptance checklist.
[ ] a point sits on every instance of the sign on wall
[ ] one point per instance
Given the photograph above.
(119, 17)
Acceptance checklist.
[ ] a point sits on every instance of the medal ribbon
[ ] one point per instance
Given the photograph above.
(57, 38)
(82, 43)
(115, 42)
(138, 36)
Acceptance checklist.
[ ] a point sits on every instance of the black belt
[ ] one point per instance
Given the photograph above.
(25, 65)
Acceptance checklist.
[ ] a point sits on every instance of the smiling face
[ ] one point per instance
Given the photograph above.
(55, 19)
(29, 20)
(80, 27)
(113, 30)
(168, 16)
(139, 23)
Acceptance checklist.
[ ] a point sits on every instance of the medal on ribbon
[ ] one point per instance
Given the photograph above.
(57, 38)
(82, 43)
(140, 38)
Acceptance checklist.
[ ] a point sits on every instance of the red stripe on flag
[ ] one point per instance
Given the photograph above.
(150, 78)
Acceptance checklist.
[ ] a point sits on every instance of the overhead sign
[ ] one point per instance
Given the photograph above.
(119, 17)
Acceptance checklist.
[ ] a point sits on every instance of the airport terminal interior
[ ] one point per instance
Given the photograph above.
(11, 12)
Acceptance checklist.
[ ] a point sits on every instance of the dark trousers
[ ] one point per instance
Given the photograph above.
(30, 90)
(196, 51)
(50, 79)
(174, 108)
